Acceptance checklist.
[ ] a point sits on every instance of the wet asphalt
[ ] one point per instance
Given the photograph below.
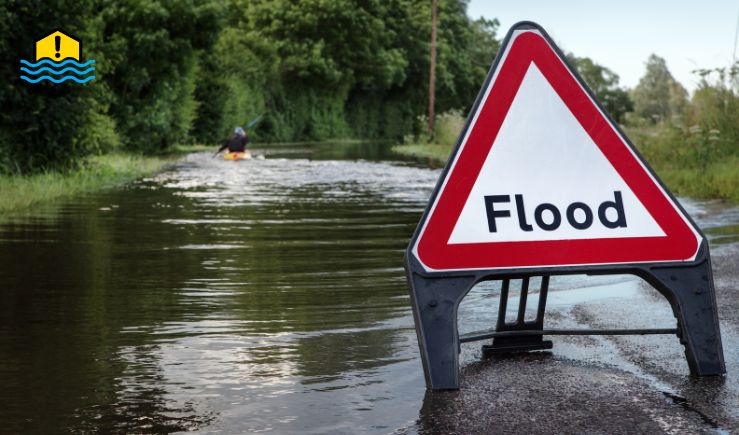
(600, 384)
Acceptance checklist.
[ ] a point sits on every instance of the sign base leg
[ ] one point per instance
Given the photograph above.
(692, 296)
(435, 303)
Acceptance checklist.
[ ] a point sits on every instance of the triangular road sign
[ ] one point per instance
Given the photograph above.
(541, 177)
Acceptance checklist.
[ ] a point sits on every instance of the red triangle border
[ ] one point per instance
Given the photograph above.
(680, 242)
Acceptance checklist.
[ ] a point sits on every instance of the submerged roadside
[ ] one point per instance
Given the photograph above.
(20, 192)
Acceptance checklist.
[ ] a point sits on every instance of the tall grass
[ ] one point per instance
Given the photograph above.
(695, 161)
(720, 180)
(447, 127)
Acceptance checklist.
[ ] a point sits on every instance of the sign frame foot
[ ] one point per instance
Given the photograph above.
(691, 293)
(435, 303)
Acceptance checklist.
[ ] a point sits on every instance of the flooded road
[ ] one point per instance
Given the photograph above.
(269, 296)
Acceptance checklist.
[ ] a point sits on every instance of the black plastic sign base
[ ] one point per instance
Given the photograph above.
(459, 242)
(688, 288)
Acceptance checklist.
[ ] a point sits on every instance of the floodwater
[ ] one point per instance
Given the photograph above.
(256, 296)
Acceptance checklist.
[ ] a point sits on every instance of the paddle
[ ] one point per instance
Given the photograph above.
(254, 121)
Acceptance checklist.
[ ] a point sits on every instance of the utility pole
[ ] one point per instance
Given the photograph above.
(736, 34)
(432, 68)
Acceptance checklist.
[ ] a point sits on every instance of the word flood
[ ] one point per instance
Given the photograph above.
(548, 217)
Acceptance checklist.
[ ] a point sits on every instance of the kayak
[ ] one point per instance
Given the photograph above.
(238, 155)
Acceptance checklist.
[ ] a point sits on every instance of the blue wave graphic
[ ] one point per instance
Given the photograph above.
(57, 64)
(53, 71)
(52, 79)
(55, 68)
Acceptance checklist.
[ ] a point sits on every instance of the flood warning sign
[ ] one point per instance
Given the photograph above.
(542, 177)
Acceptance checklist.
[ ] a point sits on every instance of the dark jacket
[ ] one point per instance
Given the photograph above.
(236, 144)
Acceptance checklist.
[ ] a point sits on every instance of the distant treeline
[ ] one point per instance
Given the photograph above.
(179, 71)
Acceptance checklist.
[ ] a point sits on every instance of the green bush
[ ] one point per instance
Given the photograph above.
(447, 127)
(152, 48)
(696, 153)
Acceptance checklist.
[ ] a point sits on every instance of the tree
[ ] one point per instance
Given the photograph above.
(339, 68)
(151, 52)
(483, 45)
(658, 96)
(604, 84)
(171, 70)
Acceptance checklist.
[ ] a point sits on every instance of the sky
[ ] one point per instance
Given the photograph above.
(621, 35)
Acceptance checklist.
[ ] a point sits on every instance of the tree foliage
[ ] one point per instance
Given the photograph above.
(338, 68)
(691, 141)
(152, 50)
(171, 71)
(604, 84)
(658, 95)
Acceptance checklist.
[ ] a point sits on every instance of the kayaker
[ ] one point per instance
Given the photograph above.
(237, 143)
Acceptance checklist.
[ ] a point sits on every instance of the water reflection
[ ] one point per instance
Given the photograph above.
(216, 294)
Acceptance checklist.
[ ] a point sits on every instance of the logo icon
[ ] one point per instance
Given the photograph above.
(58, 57)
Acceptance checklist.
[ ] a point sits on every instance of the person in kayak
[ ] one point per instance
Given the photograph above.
(237, 143)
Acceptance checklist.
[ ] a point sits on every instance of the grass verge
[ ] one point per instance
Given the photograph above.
(434, 155)
(18, 192)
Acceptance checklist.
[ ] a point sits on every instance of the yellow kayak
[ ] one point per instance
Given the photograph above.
(239, 155)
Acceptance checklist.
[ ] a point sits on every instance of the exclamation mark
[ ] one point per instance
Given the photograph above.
(58, 45)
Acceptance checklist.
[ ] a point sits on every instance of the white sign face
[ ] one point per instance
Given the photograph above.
(556, 164)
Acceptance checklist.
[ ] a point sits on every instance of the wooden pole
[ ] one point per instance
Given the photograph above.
(432, 68)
